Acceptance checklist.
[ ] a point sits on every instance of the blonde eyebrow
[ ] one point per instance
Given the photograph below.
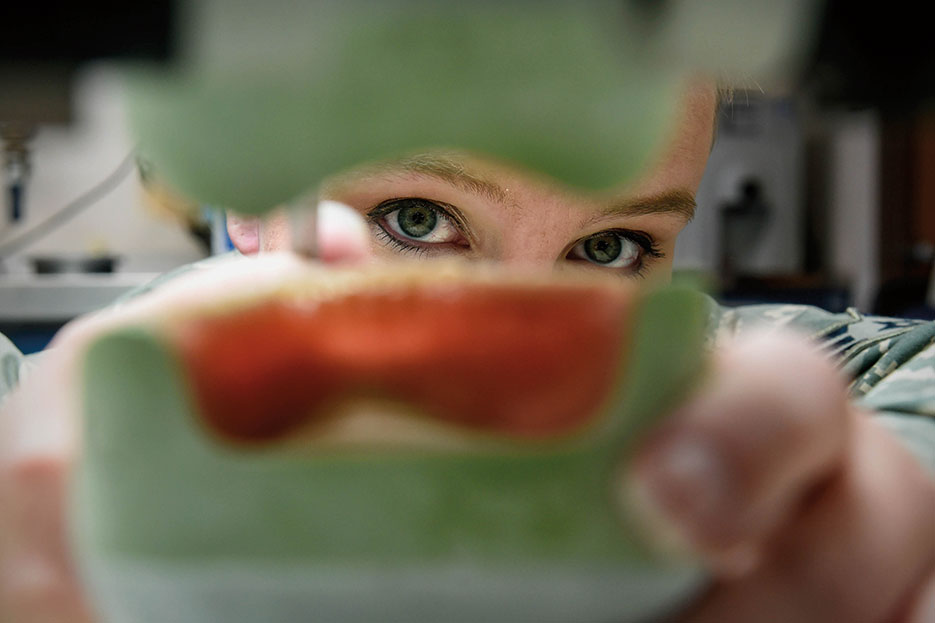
(440, 166)
(451, 171)
(677, 202)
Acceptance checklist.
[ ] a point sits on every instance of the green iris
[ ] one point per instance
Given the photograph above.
(603, 249)
(417, 220)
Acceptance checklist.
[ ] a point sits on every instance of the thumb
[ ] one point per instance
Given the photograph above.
(342, 234)
(334, 233)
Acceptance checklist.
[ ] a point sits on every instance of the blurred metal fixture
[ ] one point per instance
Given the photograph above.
(16, 165)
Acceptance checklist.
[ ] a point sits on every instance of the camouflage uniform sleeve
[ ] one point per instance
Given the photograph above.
(890, 362)
(14, 366)
(11, 365)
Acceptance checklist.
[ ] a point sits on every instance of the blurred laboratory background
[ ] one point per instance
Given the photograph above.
(825, 205)
(820, 190)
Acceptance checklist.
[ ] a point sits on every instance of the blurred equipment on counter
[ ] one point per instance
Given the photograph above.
(14, 240)
(16, 165)
(34, 307)
(49, 265)
(743, 221)
(43, 46)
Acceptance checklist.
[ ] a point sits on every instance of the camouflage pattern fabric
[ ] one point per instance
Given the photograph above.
(890, 361)
(11, 361)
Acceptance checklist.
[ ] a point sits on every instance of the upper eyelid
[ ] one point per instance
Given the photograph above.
(647, 256)
(650, 248)
(388, 205)
(630, 234)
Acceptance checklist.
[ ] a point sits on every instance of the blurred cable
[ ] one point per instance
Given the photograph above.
(14, 241)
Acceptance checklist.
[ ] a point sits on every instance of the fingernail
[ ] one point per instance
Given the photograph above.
(680, 493)
(688, 481)
(343, 234)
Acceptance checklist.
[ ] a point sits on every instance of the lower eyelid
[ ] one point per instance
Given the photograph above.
(388, 240)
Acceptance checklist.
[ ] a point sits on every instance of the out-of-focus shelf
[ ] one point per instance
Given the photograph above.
(61, 297)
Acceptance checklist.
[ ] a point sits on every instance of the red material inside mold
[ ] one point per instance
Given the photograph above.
(524, 363)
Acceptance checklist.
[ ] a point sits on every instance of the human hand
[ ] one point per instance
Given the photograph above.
(37, 448)
(803, 508)
(39, 445)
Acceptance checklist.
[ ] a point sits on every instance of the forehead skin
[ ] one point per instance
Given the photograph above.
(684, 154)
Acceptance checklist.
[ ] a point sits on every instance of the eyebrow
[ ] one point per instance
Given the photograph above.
(677, 202)
(448, 170)
(452, 171)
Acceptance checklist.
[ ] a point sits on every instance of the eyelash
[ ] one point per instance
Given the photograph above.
(389, 239)
(649, 248)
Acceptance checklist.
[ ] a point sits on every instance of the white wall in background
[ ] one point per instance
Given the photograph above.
(853, 201)
(761, 139)
(69, 160)
(772, 148)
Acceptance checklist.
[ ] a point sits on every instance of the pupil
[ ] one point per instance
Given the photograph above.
(603, 249)
(417, 221)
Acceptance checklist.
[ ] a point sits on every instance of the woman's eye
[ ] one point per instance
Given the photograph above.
(629, 250)
(418, 220)
(608, 249)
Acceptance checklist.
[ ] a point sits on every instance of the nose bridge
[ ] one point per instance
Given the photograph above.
(534, 237)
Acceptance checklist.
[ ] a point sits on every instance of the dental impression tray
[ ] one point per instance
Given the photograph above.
(230, 471)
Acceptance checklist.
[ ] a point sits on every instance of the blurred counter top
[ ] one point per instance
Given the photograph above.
(61, 297)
